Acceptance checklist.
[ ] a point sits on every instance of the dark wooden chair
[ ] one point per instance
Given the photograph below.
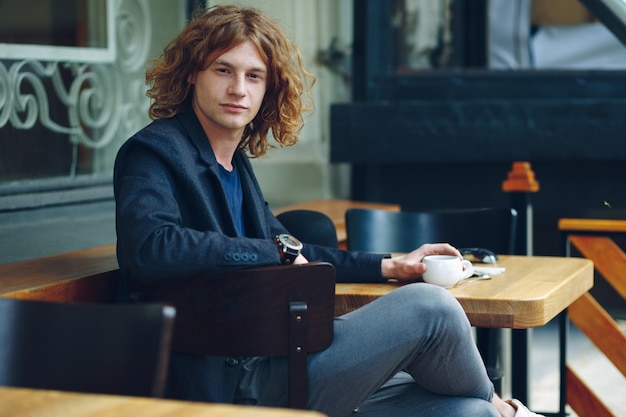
(94, 348)
(387, 231)
(310, 226)
(267, 311)
(488, 228)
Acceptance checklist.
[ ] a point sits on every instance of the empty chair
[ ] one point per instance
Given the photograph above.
(310, 226)
(266, 311)
(388, 231)
(95, 348)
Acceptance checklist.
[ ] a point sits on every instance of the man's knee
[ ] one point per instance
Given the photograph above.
(477, 408)
(425, 297)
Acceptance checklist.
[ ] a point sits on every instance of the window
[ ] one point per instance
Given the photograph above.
(72, 83)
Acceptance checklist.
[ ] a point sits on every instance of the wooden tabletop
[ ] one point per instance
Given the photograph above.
(21, 402)
(532, 291)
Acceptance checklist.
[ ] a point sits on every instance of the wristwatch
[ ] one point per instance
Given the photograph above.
(288, 247)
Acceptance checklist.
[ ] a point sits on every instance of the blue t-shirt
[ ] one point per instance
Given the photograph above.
(232, 185)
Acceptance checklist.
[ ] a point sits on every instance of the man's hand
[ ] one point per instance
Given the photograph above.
(410, 267)
(300, 259)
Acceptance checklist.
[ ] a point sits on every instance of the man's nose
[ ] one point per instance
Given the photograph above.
(237, 87)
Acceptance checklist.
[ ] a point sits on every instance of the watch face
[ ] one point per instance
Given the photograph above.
(290, 241)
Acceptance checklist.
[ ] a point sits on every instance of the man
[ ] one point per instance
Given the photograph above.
(187, 199)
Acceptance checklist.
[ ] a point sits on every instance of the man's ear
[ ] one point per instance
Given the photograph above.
(191, 78)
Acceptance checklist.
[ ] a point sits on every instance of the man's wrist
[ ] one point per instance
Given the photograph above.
(280, 252)
(288, 248)
(387, 268)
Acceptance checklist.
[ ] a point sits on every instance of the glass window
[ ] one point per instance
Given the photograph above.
(424, 35)
(59, 23)
(41, 118)
(72, 81)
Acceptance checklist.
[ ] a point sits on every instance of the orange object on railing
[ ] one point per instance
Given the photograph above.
(521, 178)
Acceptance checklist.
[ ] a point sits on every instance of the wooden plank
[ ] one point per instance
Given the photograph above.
(88, 275)
(98, 288)
(20, 402)
(607, 256)
(589, 316)
(592, 225)
(582, 399)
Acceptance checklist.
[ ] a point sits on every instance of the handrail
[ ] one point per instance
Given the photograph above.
(593, 239)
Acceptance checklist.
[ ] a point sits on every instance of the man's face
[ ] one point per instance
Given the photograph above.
(229, 92)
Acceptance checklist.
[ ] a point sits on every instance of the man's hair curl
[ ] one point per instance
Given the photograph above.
(209, 34)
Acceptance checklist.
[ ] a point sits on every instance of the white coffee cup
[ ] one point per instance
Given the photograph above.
(446, 270)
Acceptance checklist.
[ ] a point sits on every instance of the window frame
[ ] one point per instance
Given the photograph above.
(17, 52)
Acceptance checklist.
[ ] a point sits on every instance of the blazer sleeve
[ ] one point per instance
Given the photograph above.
(349, 266)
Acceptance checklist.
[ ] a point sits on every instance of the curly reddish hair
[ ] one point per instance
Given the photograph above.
(209, 34)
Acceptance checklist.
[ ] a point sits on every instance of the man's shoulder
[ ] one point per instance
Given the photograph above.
(161, 139)
(160, 129)
(163, 134)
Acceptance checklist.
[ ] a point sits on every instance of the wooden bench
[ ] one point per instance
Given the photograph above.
(88, 275)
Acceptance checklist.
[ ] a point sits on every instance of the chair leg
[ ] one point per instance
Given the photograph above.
(297, 355)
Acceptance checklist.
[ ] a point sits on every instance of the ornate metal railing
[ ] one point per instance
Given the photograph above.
(103, 94)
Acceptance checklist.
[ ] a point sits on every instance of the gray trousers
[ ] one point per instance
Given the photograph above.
(409, 353)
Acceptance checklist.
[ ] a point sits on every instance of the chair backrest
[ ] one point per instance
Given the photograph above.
(387, 231)
(95, 348)
(266, 311)
(310, 226)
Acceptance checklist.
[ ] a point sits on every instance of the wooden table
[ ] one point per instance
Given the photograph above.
(532, 291)
(21, 402)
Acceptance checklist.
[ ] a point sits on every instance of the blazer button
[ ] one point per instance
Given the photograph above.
(236, 257)
(232, 361)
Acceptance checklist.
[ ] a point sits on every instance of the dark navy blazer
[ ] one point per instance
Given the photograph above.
(173, 221)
